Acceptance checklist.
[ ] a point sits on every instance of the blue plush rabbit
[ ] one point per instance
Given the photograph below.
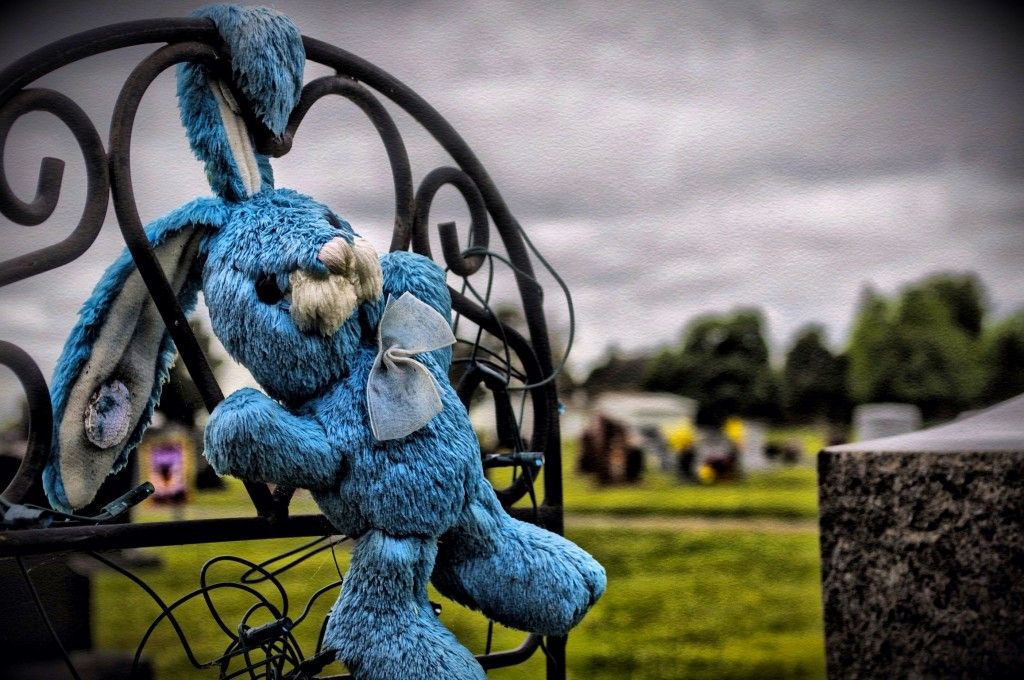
(353, 353)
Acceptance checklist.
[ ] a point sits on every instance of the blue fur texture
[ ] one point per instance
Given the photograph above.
(267, 58)
(274, 232)
(420, 505)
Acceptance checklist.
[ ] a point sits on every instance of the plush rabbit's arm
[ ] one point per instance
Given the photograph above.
(253, 437)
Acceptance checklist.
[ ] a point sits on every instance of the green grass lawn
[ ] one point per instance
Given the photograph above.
(738, 601)
(694, 604)
(779, 493)
(785, 493)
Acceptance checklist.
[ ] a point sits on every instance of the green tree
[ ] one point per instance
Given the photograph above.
(867, 379)
(665, 371)
(814, 379)
(1003, 351)
(617, 372)
(921, 348)
(962, 295)
(939, 366)
(723, 364)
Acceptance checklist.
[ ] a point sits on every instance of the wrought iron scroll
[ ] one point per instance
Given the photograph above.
(458, 263)
(401, 172)
(196, 40)
(51, 172)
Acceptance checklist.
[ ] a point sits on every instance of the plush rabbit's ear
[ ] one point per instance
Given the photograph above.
(266, 70)
(110, 374)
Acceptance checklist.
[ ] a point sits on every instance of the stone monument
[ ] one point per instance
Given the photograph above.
(922, 547)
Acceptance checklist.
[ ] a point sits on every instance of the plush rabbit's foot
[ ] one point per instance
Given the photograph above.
(521, 576)
(383, 627)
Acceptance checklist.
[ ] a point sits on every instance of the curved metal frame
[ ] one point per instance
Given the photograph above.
(197, 40)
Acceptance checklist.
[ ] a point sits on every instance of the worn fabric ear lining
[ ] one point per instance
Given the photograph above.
(123, 364)
(238, 137)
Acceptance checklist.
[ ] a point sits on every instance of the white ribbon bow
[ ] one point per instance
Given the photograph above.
(401, 395)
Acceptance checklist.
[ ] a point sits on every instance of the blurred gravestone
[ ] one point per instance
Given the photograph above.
(755, 439)
(607, 450)
(874, 421)
(922, 545)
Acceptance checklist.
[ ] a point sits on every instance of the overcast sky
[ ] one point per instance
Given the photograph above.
(668, 158)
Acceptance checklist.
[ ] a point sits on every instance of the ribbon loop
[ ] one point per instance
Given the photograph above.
(401, 395)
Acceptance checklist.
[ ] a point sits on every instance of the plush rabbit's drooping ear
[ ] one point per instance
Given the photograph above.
(267, 60)
(110, 374)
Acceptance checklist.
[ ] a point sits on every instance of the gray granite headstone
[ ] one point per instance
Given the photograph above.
(922, 546)
(874, 421)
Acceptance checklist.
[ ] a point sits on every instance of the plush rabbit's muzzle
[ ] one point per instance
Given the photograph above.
(320, 303)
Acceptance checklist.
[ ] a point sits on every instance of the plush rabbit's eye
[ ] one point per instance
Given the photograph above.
(268, 290)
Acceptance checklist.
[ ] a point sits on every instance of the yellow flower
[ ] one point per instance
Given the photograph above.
(733, 430)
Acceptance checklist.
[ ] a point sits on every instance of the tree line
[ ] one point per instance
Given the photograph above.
(931, 344)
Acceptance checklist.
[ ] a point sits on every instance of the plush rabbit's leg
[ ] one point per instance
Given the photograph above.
(516, 573)
(253, 437)
(383, 627)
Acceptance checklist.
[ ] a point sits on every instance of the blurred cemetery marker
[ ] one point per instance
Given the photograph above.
(627, 426)
(874, 421)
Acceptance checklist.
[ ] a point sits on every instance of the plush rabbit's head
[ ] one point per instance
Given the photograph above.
(291, 290)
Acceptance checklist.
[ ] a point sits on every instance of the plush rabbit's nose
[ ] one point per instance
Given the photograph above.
(357, 262)
(321, 303)
(336, 255)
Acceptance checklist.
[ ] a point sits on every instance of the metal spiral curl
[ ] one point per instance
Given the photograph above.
(48, 187)
(398, 157)
(459, 264)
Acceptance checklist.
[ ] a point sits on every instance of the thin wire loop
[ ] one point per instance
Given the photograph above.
(266, 657)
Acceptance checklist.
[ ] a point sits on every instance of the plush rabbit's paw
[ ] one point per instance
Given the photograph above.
(232, 430)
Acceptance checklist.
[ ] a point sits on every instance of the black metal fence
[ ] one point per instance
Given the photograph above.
(516, 369)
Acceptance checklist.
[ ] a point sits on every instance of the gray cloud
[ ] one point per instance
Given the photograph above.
(669, 159)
